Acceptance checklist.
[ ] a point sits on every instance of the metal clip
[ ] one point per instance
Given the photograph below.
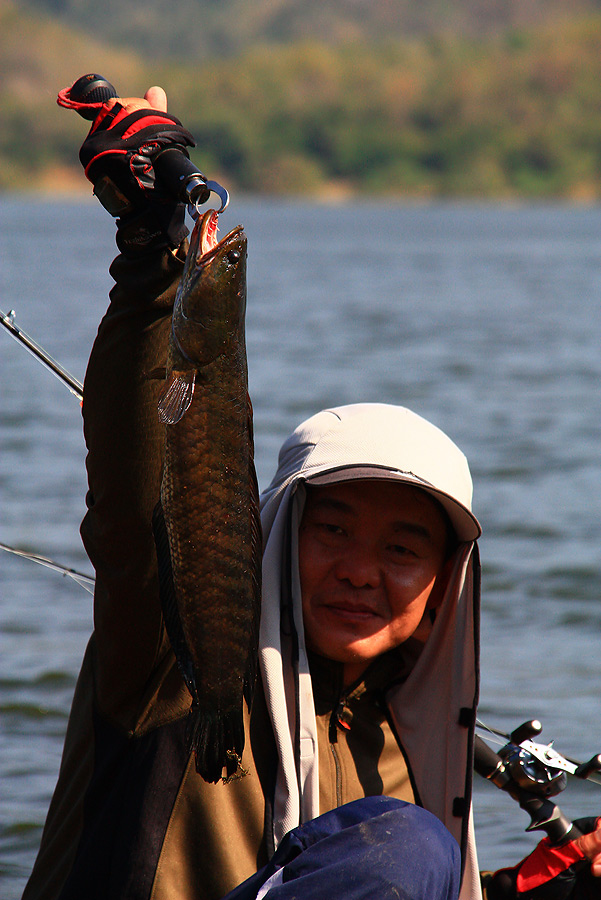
(215, 188)
(221, 192)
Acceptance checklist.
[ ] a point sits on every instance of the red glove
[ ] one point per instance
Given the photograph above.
(118, 156)
(118, 152)
(551, 872)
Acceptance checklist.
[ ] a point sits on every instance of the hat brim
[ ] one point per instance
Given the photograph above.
(464, 522)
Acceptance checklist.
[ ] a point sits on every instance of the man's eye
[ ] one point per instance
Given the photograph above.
(331, 528)
(401, 550)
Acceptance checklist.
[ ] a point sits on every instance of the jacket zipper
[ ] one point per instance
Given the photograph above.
(338, 774)
(333, 735)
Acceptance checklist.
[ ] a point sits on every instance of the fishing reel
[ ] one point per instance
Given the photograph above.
(526, 768)
(531, 773)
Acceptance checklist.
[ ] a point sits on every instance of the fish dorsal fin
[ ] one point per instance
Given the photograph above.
(176, 397)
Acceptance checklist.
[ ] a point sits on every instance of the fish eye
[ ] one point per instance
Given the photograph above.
(233, 255)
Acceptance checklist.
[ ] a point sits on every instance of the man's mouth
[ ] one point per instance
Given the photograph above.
(351, 611)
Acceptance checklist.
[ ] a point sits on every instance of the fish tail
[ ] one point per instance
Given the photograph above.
(217, 741)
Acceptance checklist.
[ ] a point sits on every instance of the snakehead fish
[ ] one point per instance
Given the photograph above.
(207, 526)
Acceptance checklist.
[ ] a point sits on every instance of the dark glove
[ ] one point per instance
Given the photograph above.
(117, 156)
(550, 872)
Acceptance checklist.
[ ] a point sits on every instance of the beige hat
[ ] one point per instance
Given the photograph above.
(377, 440)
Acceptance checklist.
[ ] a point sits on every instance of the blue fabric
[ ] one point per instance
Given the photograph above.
(372, 849)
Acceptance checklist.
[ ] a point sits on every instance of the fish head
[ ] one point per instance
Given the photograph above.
(210, 306)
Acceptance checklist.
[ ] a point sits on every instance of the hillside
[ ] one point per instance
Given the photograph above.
(197, 29)
(38, 56)
(512, 115)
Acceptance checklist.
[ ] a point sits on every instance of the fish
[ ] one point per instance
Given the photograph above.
(206, 523)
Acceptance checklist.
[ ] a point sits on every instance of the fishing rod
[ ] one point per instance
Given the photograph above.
(532, 773)
(83, 580)
(75, 386)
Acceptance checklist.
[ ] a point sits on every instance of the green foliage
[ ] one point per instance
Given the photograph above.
(515, 115)
(198, 29)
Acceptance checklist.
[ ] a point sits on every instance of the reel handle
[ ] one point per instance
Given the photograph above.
(592, 767)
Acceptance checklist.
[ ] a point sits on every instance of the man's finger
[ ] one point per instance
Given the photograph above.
(154, 98)
(157, 98)
(590, 844)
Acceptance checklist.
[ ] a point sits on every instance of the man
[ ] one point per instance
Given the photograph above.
(358, 754)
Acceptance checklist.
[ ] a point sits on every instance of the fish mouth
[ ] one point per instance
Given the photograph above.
(204, 242)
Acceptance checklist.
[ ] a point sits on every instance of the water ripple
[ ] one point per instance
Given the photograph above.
(483, 319)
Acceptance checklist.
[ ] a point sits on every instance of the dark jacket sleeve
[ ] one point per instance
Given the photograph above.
(125, 440)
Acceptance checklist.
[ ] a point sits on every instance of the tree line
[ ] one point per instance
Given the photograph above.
(517, 115)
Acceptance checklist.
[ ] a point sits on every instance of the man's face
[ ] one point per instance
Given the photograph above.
(371, 558)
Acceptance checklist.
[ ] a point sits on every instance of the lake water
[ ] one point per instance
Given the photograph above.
(486, 320)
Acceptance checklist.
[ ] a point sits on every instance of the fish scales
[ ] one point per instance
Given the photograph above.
(205, 502)
(209, 499)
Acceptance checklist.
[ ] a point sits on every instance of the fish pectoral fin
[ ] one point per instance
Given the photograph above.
(176, 397)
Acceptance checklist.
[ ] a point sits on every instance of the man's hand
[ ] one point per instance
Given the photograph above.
(551, 872)
(118, 157)
(590, 845)
(125, 137)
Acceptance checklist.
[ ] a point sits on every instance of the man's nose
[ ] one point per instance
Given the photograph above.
(360, 566)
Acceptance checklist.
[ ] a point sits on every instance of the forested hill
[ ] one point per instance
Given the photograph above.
(202, 28)
(511, 114)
